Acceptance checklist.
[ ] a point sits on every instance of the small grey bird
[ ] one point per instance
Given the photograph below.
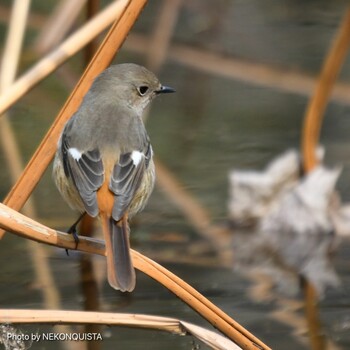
(103, 164)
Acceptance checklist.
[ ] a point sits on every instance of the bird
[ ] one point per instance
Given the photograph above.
(103, 164)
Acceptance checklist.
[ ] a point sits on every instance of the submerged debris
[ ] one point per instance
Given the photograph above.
(295, 222)
(252, 193)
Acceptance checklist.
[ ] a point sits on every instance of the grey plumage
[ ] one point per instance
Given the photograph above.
(126, 179)
(103, 164)
(86, 173)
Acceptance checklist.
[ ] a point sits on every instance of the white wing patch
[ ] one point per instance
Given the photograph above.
(136, 157)
(75, 153)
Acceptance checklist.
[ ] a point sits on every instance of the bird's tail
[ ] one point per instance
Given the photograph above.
(120, 269)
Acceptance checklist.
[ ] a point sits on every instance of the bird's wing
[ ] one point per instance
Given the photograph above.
(126, 178)
(85, 168)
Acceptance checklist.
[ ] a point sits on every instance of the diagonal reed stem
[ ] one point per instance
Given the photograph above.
(23, 226)
(310, 140)
(15, 222)
(45, 152)
(166, 324)
(318, 102)
(61, 53)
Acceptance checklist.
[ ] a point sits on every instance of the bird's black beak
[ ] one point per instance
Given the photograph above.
(165, 90)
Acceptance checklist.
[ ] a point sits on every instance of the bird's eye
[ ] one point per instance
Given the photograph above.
(142, 90)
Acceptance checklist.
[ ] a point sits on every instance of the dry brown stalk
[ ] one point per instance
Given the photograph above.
(199, 303)
(8, 69)
(64, 51)
(58, 24)
(294, 81)
(310, 140)
(238, 69)
(316, 336)
(11, 220)
(160, 37)
(44, 154)
(172, 325)
(23, 226)
(318, 102)
(205, 61)
(92, 8)
(9, 64)
(9, 61)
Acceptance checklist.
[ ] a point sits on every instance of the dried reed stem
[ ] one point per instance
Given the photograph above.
(233, 68)
(25, 227)
(92, 8)
(13, 45)
(160, 37)
(318, 102)
(44, 154)
(9, 66)
(310, 140)
(58, 24)
(12, 220)
(66, 50)
(8, 70)
(172, 325)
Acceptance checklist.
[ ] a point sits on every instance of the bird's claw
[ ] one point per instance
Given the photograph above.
(73, 231)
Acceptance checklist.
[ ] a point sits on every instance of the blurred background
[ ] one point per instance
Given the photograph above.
(244, 72)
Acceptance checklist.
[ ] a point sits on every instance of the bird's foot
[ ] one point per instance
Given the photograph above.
(73, 231)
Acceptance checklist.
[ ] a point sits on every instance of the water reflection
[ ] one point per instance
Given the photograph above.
(285, 225)
(293, 233)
